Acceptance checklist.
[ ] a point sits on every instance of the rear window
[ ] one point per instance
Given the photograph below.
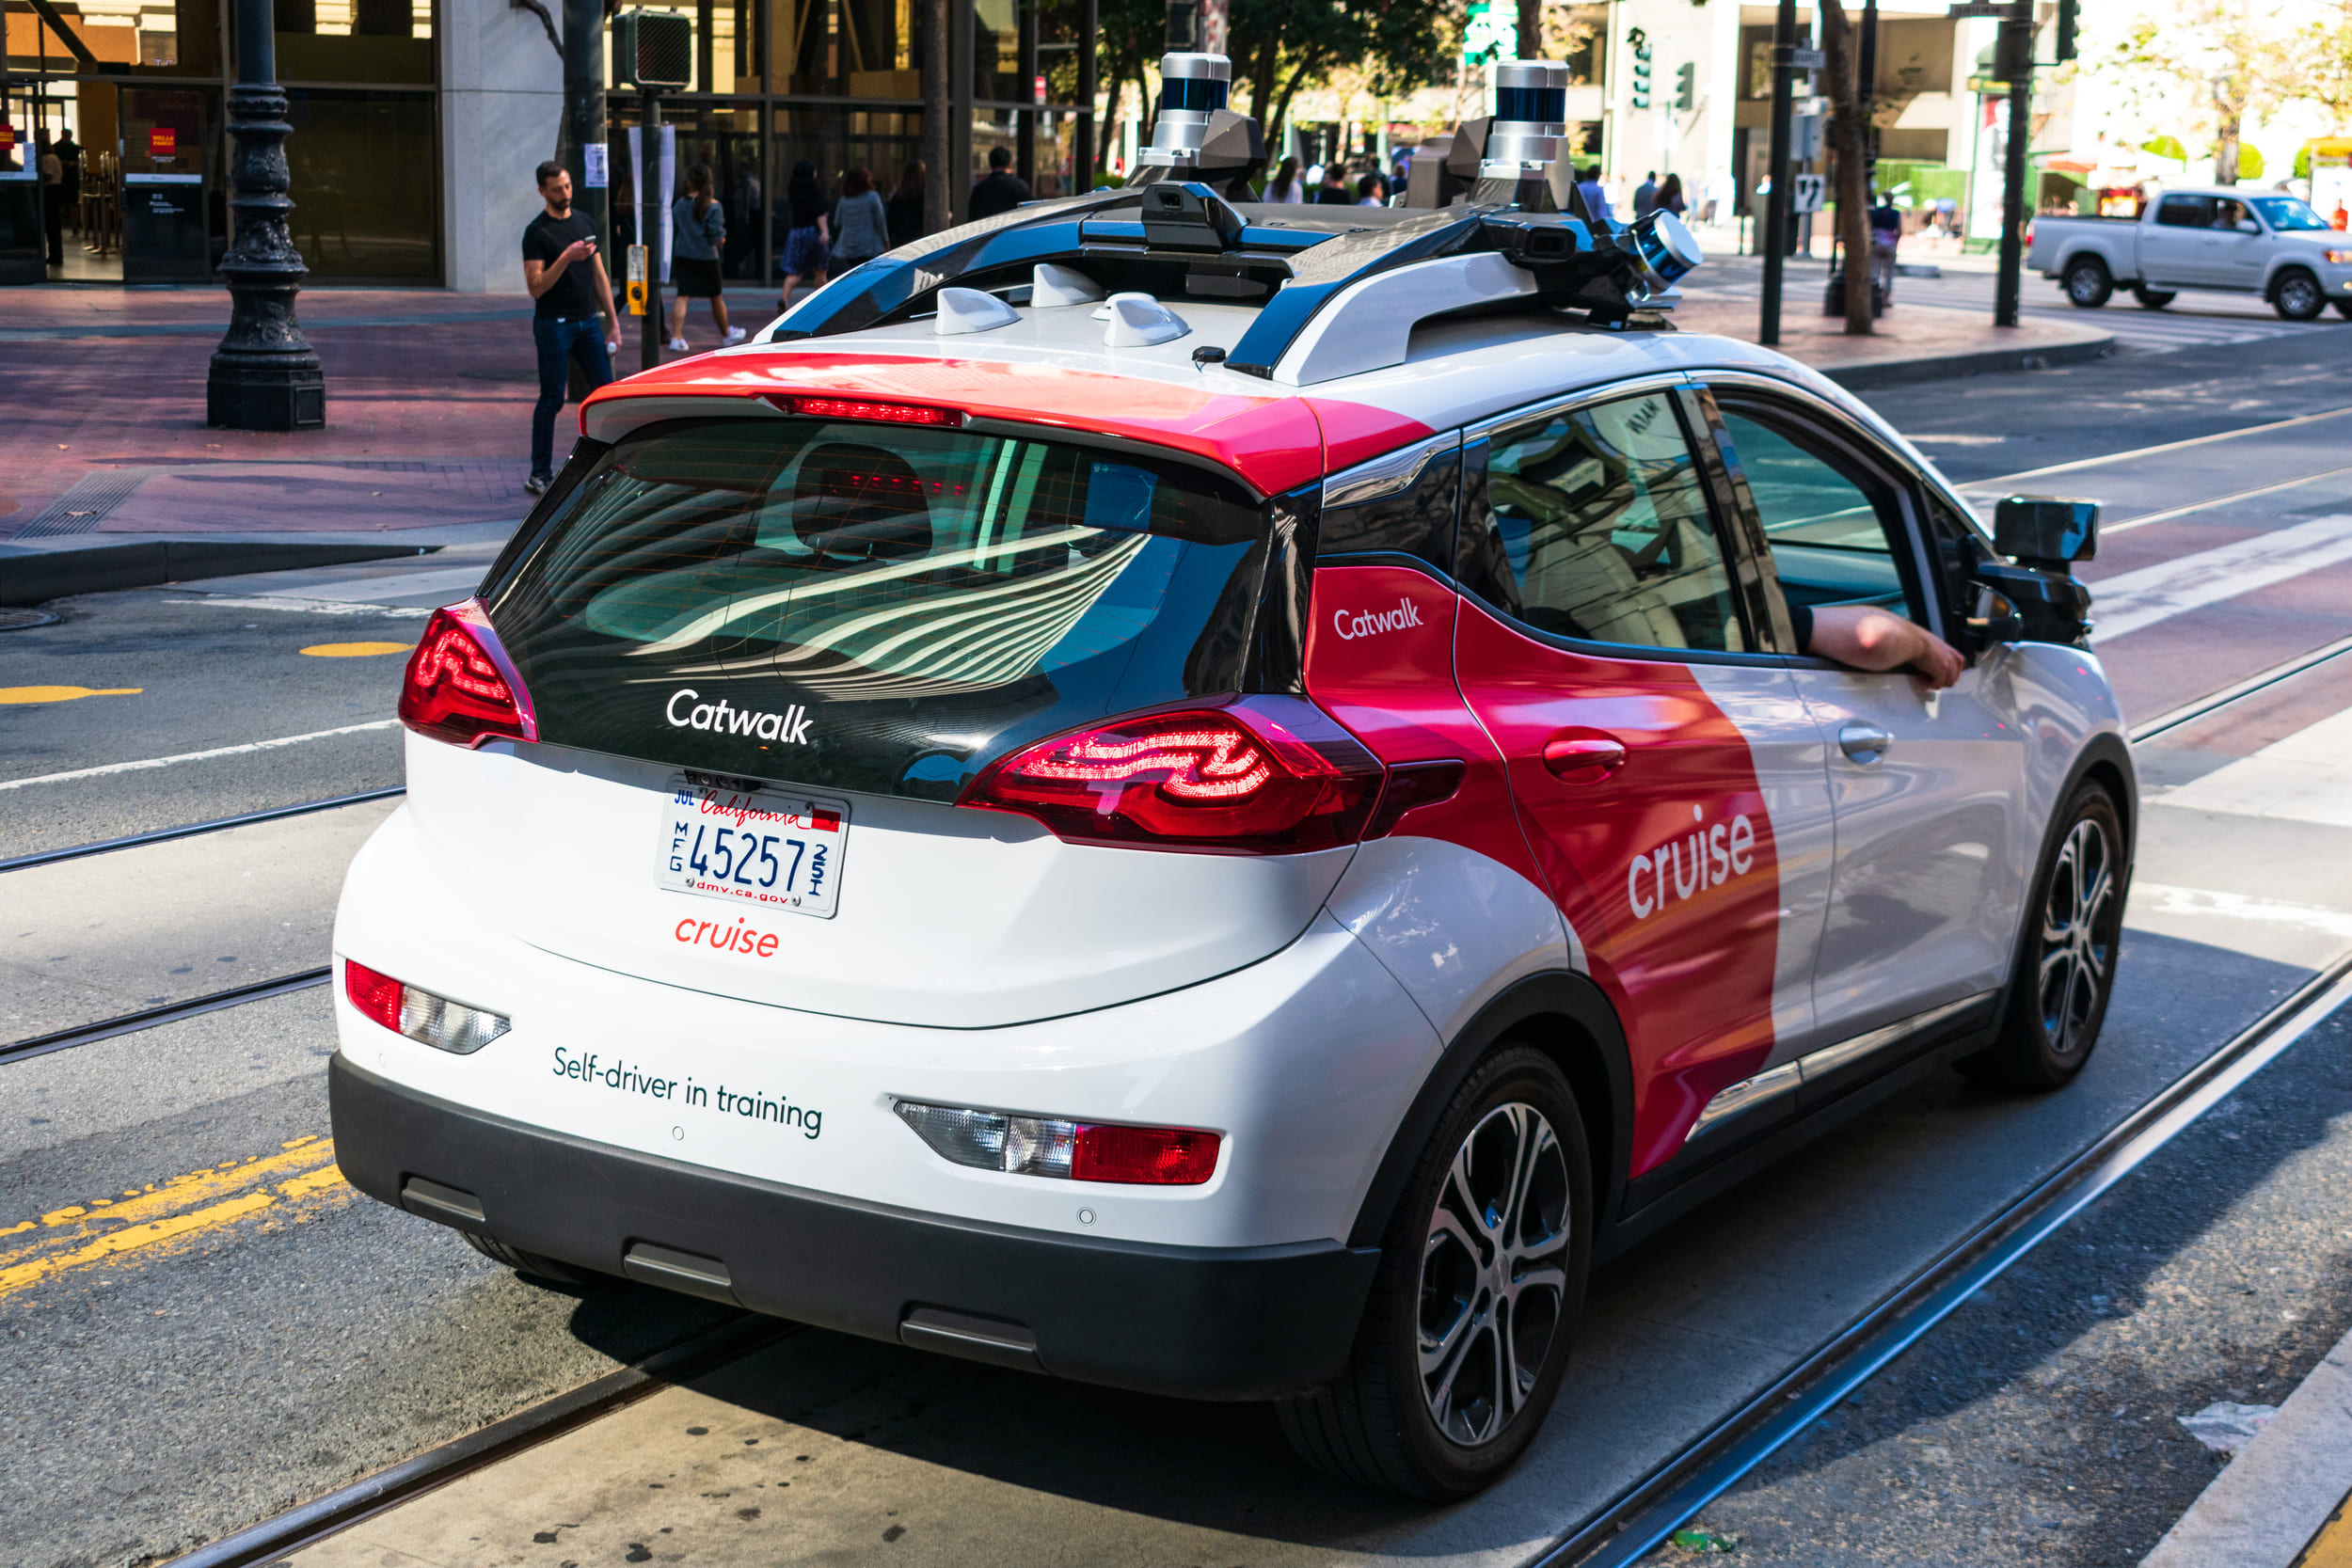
(878, 607)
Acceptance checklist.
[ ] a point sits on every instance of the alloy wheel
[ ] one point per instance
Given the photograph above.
(2300, 297)
(2077, 947)
(1494, 1274)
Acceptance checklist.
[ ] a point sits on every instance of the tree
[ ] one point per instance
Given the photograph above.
(2320, 53)
(1848, 147)
(2215, 61)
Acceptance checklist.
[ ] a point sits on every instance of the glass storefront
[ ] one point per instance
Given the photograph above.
(364, 177)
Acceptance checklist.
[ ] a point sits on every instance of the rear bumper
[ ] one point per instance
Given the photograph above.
(1237, 1322)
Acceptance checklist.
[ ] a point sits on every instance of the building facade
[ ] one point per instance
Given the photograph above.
(418, 123)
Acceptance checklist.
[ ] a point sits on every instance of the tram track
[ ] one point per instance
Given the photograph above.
(192, 830)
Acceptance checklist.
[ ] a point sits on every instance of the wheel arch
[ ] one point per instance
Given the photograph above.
(2106, 760)
(1568, 1017)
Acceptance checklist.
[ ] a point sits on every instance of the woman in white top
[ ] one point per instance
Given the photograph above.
(1285, 186)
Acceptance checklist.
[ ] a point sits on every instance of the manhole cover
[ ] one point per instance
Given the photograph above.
(16, 620)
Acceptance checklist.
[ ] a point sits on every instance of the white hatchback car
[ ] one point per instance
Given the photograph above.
(1216, 801)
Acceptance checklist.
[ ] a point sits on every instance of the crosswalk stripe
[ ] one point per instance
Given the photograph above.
(2133, 601)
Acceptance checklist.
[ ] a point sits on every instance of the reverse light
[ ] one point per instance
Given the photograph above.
(861, 409)
(1068, 1150)
(427, 1019)
(460, 687)
(1267, 774)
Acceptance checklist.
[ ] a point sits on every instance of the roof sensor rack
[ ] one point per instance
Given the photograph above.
(1196, 136)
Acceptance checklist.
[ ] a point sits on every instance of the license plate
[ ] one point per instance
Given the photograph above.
(772, 848)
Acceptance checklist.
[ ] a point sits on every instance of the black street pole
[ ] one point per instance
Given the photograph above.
(650, 204)
(265, 376)
(1089, 39)
(583, 110)
(1776, 203)
(2017, 30)
(1865, 77)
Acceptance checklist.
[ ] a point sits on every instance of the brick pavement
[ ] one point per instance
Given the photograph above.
(429, 399)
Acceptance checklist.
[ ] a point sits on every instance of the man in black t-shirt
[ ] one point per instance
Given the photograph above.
(566, 276)
(1002, 191)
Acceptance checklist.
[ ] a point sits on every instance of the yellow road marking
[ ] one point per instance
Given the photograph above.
(208, 1199)
(64, 693)
(354, 650)
(2332, 1546)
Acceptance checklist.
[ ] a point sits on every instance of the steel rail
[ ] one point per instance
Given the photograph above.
(2161, 446)
(1642, 1517)
(170, 1012)
(279, 1536)
(2188, 713)
(164, 835)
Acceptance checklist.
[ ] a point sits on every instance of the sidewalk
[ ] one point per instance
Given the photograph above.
(428, 408)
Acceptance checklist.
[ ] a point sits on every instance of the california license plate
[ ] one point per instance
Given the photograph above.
(751, 845)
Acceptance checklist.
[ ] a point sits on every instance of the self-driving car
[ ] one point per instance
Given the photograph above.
(1218, 800)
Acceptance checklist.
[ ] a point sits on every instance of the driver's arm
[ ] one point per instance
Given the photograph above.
(1868, 638)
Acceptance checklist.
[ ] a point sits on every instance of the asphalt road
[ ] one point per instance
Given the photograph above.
(270, 1335)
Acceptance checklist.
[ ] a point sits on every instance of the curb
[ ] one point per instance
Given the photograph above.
(31, 577)
(1942, 367)
(2269, 1503)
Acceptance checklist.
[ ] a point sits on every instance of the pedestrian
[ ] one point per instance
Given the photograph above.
(1595, 199)
(1372, 191)
(51, 169)
(1645, 195)
(1284, 188)
(699, 228)
(1003, 190)
(807, 240)
(903, 212)
(860, 225)
(567, 277)
(69, 153)
(1670, 195)
(1887, 233)
(1333, 191)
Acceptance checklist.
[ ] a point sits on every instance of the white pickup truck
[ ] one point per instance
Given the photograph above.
(2213, 237)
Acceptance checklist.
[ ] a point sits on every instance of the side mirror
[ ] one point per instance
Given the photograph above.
(2020, 604)
(2247, 226)
(2047, 531)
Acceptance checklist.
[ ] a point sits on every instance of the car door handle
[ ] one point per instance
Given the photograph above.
(1583, 758)
(1864, 743)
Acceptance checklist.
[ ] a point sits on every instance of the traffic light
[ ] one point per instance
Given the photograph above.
(2070, 15)
(1686, 86)
(1640, 40)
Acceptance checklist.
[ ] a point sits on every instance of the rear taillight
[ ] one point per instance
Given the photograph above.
(460, 685)
(421, 1015)
(1267, 775)
(1070, 1150)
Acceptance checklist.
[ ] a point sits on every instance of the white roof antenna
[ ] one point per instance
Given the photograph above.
(963, 311)
(1051, 285)
(1139, 321)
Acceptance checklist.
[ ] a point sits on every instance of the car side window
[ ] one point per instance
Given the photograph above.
(1833, 529)
(1596, 526)
(2185, 211)
(2229, 214)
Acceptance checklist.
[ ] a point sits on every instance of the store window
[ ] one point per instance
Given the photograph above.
(365, 182)
(847, 48)
(355, 40)
(725, 137)
(881, 142)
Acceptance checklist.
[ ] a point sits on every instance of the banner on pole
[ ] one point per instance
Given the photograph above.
(664, 182)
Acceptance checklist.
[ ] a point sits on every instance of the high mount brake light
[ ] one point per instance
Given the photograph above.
(1267, 775)
(460, 685)
(858, 408)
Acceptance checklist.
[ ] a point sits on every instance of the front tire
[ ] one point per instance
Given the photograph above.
(2066, 964)
(1481, 1282)
(2297, 296)
(2344, 309)
(2087, 283)
(2154, 299)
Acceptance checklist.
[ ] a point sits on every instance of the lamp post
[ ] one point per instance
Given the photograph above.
(265, 376)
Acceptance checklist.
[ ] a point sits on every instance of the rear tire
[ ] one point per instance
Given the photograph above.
(2087, 283)
(2154, 299)
(1481, 1282)
(2297, 296)
(529, 1264)
(2066, 960)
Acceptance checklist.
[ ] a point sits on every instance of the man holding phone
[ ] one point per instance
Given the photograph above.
(567, 277)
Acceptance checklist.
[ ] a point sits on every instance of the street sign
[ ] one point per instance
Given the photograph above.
(1967, 9)
(1491, 32)
(1805, 191)
(1809, 60)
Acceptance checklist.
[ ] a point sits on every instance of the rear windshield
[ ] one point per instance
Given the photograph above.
(879, 607)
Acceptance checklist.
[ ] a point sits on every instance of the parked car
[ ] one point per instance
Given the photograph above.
(2223, 237)
(1216, 801)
